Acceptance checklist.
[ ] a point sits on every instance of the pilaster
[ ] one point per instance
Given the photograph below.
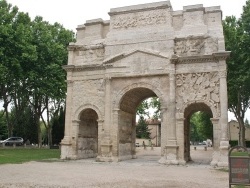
(68, 118)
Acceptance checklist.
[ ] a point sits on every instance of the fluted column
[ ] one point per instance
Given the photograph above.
(68, 118)
(171, 111)
(107, 105)
(223, 105)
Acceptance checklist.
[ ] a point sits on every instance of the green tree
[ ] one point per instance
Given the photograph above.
(46, 78)
(24, 126)
(15, 50)
(237, 39)
(142, 130)
(156, 105)
(201, 127)
(3, 126)
(142, 109)
(58, 123)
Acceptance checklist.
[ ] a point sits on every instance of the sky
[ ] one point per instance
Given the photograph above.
(71, 13)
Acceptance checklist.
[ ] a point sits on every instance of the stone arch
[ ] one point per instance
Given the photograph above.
(214, 110)
(122, 92)
(87, 134)
(87, 106)
(188, 111)
(126, 103)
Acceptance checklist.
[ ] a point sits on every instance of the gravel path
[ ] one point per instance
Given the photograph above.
(143, 172)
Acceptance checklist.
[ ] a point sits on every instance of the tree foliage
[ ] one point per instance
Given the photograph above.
(201, 127)
(237, 39)
(142, 130)
(32, 53)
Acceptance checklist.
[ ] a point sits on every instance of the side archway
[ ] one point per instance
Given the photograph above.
(87, 134)
(188, 113)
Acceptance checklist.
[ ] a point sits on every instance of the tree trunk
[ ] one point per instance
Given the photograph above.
(49, 135)
(241, 132)
(39, 135)
(10, 127)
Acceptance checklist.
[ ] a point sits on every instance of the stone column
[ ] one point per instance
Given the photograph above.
(68, 118)
(107, 116)
(216, 133)
(216, 141)
(180, 135)
(100, 136)
(224, 143)
(114, 133)
(75, 135)
(164, 136)
(223, 105)
(171, 112)
(105, 151)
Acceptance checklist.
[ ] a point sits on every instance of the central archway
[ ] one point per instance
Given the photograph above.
(127, 120)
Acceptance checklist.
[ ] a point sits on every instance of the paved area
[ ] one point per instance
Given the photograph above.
(143, 172)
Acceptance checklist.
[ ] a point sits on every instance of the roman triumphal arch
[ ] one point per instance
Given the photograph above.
(144, 51)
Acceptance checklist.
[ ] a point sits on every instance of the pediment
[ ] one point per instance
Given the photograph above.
(127, 54)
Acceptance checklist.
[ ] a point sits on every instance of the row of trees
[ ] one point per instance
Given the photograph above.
(32, 80)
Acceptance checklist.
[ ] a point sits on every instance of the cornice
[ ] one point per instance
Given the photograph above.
(215, 57)
(75, 47)
(140, 8)
(73, 68)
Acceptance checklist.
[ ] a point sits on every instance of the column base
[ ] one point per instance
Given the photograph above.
(220, 157)
(106, 151)
(66, 140)
(170, 156)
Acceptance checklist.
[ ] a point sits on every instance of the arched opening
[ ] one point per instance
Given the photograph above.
(88, 134)
(127, 123)
(195, 115)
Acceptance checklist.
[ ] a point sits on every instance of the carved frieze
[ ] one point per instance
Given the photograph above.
(194, 87)
(195, 46)
(139, 19)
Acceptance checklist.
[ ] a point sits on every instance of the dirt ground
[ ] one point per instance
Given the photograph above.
(143, 172)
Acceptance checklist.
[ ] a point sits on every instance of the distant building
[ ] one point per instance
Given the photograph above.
(233, 131)
(154, 126)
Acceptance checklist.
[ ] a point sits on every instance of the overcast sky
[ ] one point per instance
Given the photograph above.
(71, 13)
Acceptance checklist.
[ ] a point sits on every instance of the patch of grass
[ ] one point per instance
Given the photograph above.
(223, 169)
(239, 154)
(21, 155)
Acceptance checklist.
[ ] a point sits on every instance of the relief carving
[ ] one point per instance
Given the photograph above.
(154, 17)
(197, 87)
(195, 46)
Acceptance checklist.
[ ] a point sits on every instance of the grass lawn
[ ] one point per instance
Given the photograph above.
(20, 155)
